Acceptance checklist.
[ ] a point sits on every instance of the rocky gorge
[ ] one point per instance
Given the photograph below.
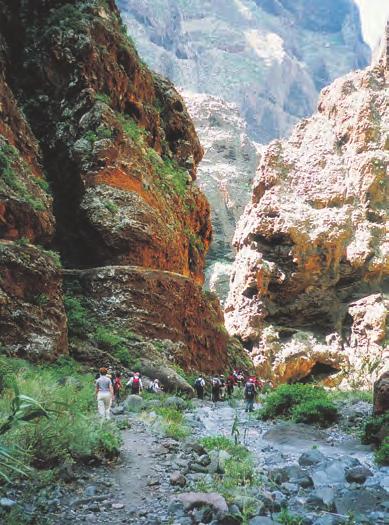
(114, 212)
(249, 71)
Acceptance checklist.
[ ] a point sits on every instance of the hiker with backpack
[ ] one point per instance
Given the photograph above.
(199, 387)
(155, 387)
(117, 386)
(215, 389)
(135, 383)
(249, 395)
(230, 385)
(104, 394)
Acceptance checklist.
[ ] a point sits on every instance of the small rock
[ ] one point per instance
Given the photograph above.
(117, 506)
(94, 507)
(90, 491)
(153, 482)
(118, 410)
(196, 447)
(193, 500)
(134, 403)
(176, 478)
(315, 503)
(7, 503)
(175, 402)
(223, 458)
(312, 457)
(204, 460)
(261, 520)
(358, 474)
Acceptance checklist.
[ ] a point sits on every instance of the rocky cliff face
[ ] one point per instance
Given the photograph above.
(120, 152)
(308, 287)
(225, 175)
(265, 60)
(271, 57)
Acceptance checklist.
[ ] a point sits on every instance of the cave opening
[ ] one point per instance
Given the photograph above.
(318, 373)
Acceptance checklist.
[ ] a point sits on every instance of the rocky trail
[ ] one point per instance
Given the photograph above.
(318, 474)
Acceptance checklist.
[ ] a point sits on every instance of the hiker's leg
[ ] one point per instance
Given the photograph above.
(100, 406)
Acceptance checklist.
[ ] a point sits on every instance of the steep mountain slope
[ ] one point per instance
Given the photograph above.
(120, 152)
(271, 57)
(313, 247)
(225, 175)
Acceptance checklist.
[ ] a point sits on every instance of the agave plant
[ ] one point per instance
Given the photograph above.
(23, 409)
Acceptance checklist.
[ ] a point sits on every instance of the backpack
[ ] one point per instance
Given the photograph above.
(215, 382)
(117, 384)
(250, 390)
(198, 382)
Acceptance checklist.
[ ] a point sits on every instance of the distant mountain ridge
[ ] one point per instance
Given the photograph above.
(270, 57)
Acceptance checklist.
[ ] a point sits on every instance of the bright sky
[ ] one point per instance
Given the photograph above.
(374, 14)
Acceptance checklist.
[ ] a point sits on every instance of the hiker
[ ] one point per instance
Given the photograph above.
(104, 394)
(135, 383)
(222, 388)
(117, 386)
(230, 385)
(199, 387)
(155, 387)
(215, 389)
(249, 395)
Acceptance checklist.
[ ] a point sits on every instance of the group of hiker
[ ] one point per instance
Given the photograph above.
(109, 387)
(222, 387)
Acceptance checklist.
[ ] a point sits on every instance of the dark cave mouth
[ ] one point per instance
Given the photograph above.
(319, 372)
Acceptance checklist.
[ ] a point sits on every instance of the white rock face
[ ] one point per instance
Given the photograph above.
(225, 175)
(313, 244)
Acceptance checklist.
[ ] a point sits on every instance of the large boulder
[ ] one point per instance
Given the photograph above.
(381, 395)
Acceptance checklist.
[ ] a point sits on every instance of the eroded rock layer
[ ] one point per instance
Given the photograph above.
(120, 152)
(158, 305)
(313, 248)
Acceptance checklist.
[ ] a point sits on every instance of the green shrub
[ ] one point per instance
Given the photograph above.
(301, 402)
(227, 444)
(124, 356)
(55, 256)
(103, 97)
(72, 430)
(286, 518)
(173, 422)
(11, 167)
(382, 454)
(375, 428)
(77, 314)
(320, 411)
(132, 129)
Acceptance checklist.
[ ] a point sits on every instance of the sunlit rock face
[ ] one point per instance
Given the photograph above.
(270, 57)
(313, 250)
(265, 61)
(225, 175)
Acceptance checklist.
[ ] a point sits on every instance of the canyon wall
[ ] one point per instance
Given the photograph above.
(250, 70)
(270, 57)
(309, 289)
(119, 151)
